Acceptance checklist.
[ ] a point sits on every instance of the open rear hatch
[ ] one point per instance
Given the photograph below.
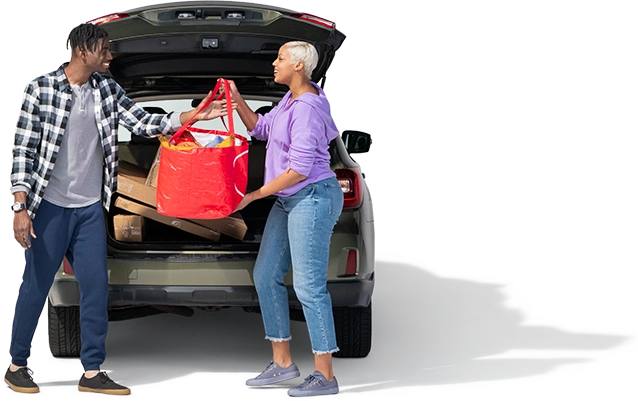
(178, 50)
(181, 47)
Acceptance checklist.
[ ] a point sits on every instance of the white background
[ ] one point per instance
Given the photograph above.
(32, 33)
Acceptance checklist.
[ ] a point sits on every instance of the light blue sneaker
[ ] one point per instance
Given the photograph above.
(315, 384)
(274, 374)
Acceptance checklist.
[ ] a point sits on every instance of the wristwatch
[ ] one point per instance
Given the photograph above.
(16, 207)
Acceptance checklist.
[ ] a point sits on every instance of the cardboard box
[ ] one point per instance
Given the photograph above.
(232, 225)
(132, 181)
(128, 228)
(149, 212)
(151, 178)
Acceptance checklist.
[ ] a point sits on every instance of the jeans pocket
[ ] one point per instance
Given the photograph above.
(310, 191)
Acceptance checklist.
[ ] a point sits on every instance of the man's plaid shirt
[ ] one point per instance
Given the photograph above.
(45, 110)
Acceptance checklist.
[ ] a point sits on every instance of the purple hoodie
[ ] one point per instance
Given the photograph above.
(298, 135)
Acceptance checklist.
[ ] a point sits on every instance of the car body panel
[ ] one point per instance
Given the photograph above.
(173, 268)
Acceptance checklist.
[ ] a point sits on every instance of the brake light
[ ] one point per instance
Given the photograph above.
(108, 18)
(351, 185)
(315, 20)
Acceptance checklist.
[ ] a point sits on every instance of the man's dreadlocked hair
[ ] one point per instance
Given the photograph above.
(85, 37)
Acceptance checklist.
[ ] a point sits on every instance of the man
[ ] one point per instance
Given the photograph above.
(64, 172)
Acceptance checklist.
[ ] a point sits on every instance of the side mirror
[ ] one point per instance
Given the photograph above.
(356, 141)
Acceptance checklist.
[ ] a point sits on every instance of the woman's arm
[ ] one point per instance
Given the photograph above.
(257, 126)
(284, 180)
(306, 130)
(248, 117)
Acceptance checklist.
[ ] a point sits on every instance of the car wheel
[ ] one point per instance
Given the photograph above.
(353, 327)
(64, 331)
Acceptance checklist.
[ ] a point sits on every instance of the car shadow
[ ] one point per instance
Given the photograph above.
(427, 330)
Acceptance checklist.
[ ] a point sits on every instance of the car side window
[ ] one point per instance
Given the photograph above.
(180, 105)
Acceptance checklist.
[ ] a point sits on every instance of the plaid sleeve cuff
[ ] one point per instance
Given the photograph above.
(175, 120)
(19, 188)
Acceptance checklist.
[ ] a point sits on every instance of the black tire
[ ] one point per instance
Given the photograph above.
(64, 331)
(353, 327)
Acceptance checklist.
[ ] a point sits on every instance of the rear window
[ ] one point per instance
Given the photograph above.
(180, 105)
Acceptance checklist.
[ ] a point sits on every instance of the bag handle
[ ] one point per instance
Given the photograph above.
(229, 103)
(245, 152)
(220, 81)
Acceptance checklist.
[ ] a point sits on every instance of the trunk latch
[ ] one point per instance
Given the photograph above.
(210, 43)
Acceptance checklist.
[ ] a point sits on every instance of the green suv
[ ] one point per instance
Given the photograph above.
(167, 57)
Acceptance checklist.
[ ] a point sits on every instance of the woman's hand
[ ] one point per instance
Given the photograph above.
(234, 93)
(284, 180)
(248, 117)
(245, 201)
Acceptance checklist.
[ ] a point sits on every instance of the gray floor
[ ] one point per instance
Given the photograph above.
(449, 324)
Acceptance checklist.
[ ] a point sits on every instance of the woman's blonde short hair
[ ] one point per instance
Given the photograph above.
(304, 52)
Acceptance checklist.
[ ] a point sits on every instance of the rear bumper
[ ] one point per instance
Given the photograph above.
(352, 293)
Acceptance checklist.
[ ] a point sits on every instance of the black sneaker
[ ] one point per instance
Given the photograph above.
(102, 383)
(21, 381)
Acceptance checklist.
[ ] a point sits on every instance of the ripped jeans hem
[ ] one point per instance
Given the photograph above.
(278, 339)
(332, 351)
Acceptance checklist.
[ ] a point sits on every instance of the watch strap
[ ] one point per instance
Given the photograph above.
(16, 207)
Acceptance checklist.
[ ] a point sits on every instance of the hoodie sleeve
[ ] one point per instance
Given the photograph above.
(261, 131)
(307, 131)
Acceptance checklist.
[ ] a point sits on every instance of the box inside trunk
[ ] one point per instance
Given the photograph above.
(244, 227)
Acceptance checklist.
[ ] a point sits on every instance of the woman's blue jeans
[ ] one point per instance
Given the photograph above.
(297, 233)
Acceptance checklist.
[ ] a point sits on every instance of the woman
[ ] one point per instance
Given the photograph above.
(298, 230)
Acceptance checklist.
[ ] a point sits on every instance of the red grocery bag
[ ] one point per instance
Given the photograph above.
(196, 182)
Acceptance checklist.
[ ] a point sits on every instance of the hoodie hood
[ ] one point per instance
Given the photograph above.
(322, 106)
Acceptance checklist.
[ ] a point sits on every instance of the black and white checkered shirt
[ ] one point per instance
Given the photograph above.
(45, 110)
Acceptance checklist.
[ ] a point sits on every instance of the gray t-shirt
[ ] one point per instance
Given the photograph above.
(76, 178)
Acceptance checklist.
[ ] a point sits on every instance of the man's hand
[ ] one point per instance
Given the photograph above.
(216, 108)
(23, 229)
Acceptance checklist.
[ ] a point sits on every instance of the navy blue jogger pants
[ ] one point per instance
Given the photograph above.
(80, 235)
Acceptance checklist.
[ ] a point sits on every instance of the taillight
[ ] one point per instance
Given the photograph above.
(67, 267)
(315, 20)
(352, 187)
(108, 18)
